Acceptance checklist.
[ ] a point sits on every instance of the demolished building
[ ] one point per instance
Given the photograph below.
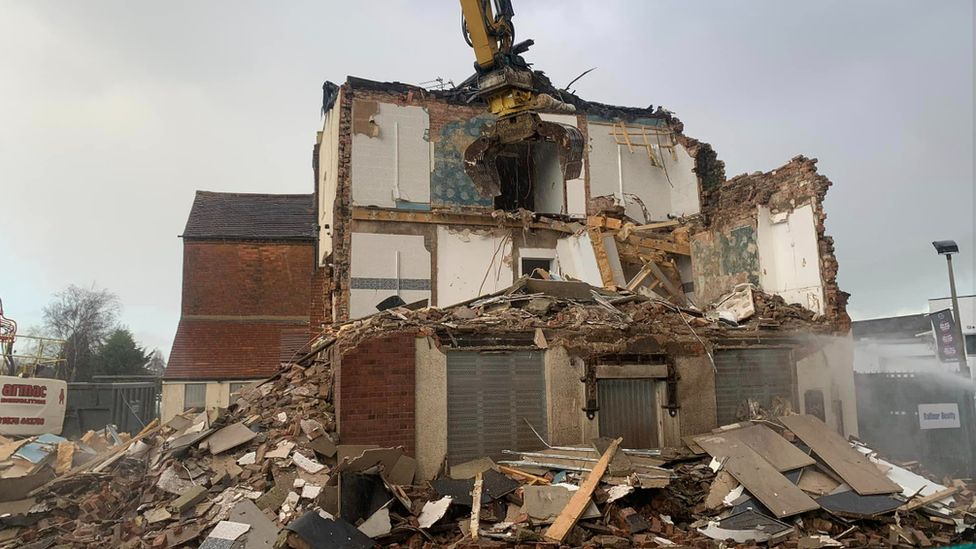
(650, 356)
(652, 216)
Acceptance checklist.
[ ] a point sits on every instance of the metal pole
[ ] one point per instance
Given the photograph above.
(961, 346)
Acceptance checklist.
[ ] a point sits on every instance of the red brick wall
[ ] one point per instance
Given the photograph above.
(206, 349)
(247, 278)
(320, 305)
(375, 389)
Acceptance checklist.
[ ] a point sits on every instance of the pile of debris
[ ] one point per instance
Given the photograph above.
(269, 473)
(582, 318)
(27, 463)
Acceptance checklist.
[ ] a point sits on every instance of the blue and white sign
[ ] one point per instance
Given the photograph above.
(938, 416)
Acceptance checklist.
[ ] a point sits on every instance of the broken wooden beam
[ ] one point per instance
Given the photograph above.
(581, 498)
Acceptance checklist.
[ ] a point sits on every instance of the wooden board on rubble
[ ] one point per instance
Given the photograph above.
(852, 466)
(759, 477)
(774, 448)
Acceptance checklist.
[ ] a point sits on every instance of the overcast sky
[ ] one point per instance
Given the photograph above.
(112, 113)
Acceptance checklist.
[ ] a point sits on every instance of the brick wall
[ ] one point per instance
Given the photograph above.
(247, 278)
(733, 205)
(375, 389)
(320, 306)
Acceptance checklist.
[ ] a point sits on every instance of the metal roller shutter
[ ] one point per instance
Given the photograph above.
(759, 374)
(628, 408)
(487, 397)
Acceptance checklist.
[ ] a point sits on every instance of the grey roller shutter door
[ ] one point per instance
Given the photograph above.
(628, 409)
(487, 397)
(759, 374)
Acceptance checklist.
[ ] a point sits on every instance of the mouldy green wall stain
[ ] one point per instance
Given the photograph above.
(721, 260)
(740, 254)
(449, 185)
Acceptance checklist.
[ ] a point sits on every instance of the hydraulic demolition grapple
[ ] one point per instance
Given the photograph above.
(510, 87)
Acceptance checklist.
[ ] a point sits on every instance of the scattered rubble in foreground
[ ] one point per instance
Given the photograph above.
(270, 471)
(270, 474)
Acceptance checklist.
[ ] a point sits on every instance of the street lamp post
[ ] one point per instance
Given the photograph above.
(947, 248)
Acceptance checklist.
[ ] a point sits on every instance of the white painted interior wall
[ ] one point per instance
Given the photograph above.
(574, 189)
(574, 254)
(789, 258)
(328, 177)
(388, 257)
(395, 165)
(548, 188)
(615, 169)
(470, 264)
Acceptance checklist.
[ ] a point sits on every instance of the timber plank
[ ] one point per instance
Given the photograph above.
(759, 477)
(767, 443)
(581, 498)
(852, 466)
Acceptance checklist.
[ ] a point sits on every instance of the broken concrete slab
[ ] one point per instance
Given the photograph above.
(378, 524)
(229, 437)
(191, 497)
(543, 504)
(263, 533)
(469, 469)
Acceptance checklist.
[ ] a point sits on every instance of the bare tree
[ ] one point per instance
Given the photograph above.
(83, 317)
(157, 363)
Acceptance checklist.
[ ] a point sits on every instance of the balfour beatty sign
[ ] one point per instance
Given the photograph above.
(938, 416)
(31, 406)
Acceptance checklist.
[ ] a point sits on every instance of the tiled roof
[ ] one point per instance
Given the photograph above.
(228, 349)
(242, 216)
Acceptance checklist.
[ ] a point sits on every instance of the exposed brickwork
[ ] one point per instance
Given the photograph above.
(320, 307)
(247, 278)
(212, 350)
(245, 306)
(375, 382)
(734, 203)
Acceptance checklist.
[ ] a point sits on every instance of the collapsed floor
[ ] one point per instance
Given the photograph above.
(271, 471)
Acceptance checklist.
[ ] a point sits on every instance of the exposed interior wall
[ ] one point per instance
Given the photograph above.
(383, 265)
(576, 260)
(472, 263)
(789, 258)
(390, 155)
(757, 229)
(431, 408)
(830, 369)
(328, 178)
(554, 194)
(565, 394)
(626, 172)
(548, 186)
(696, 394)
(723, 257)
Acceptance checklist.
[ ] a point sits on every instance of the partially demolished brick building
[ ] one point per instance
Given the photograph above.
(664, 299)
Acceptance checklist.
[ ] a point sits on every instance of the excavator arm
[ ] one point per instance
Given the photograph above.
(508, 86)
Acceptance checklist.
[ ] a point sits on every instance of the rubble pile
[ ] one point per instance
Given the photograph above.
(270, 471)
(584, 319)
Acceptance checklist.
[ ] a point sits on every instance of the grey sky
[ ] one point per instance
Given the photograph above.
(113, 112)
